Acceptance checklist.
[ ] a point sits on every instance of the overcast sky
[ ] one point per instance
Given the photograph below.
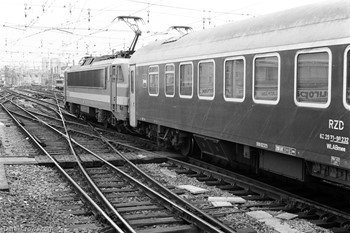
(32, 29)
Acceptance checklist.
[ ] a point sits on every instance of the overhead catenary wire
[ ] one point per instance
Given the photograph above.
(76, 31)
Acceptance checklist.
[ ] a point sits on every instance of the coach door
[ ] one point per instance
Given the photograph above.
(133, 121)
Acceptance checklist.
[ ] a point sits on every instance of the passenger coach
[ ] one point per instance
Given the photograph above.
(271, 92)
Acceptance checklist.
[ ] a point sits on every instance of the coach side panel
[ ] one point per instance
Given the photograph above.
(287, 119)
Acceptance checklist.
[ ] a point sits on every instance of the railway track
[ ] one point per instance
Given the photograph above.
(335, 219)
(169, 211)
(263, 196)
(40, 94)
(135, 205)
(46, 101)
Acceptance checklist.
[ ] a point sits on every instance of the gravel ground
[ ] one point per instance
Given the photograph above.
(237, 220)
(30, 206)
(12, 141)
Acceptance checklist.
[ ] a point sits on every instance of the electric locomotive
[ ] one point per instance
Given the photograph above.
(98, 87)
(271, 93)
(59, 84)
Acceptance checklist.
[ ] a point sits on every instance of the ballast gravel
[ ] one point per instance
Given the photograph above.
(237, 219)
(12, 142)
(31, 204)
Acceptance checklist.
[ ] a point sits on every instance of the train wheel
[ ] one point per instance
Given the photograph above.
(186, 148)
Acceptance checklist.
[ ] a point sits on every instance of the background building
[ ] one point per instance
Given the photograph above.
(51, 69)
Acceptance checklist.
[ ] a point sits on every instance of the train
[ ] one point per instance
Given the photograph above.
(99, 89)
(269, 93)
(59, 84)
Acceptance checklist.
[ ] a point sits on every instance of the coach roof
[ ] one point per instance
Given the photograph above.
(319, 24)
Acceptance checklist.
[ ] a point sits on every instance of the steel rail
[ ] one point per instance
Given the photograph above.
(33, 93)
(259, 186)
(208, 223)
(253, 185)
(97, 190)
(76, 186)
(37, 101)
(204, 224)
(91, 182)
(55, 119)
(199, 221)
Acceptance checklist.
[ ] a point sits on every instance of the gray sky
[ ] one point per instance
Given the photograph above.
(71, 29)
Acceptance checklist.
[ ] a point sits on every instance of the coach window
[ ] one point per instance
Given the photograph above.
(120, 76)
(346, 99)
(312, 78)
(113, 73)
(169, 80)
(206, 80)
(186, 80)
(266, 78)
(132, 80)
(234, 80)
(153, 80)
